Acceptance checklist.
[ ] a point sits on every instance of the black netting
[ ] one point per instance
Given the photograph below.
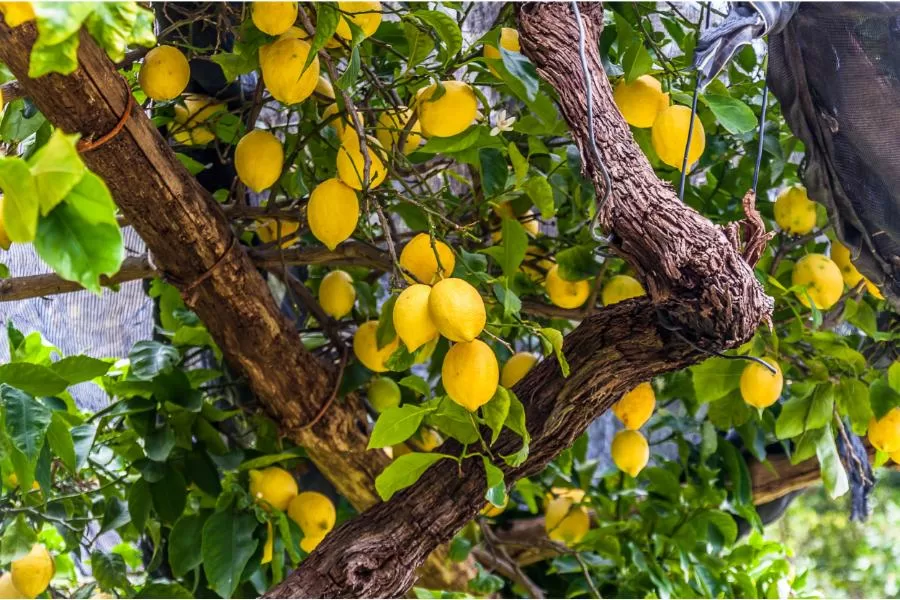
(835, 68)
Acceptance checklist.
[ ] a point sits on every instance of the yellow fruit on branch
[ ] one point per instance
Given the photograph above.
(258, 159)
(365, 15)
(426, 439)
(365, 347)
(470, 374)
(274, 18)
(670, 133)
(884, 433)
(13, 482)
(759, 386)
(630, 451)
(324, 89)
(32, 573)
(194, 121)
(447, 114)
(516, 368)
(822, 278)
(383, 393)
(351, 162)
(640, 101)
(794, 212)
(332, 212)
(272, 486)
(420, 260)
(269, 546)
(564, 293)
(457, 309)
(391, 124)
(636, 407)
(332, 116)
(621, 287)
(563, 521)
(8, 589)
(492, 511)
(164, 73)
(282, 65)
(412, 317)
(268, 231)
(16, 13)
(315, 514)
(337, 294)
(509, 41)
(840, 254)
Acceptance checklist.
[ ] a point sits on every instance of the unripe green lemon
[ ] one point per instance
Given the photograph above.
(620, 287)
(418, 258)
(630, 451)
(759, 386)
(636, 407)
(449, 114)
(258, 158)
(164, 73)
(640, 101)
(669, 136)
(274, 18)
(333, 212)
(337, 294)
(383, 393)
(470, 374)
(516, 368)
(457, 309)
(794, 211)
(564, 293)
(412, 318)
(822, 279)
(365, 347)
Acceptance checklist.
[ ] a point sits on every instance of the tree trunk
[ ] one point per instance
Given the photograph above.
(192, 243)
(693, 274)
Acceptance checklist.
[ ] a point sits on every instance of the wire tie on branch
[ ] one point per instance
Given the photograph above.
(188, 289)
(88, 145)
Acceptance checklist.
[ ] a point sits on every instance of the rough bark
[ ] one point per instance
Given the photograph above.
(192, 243)
(693, 276)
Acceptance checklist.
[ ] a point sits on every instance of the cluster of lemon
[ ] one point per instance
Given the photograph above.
(314, 513)
(29, 575)
(566, 518)
(643, 104)
(630, 450)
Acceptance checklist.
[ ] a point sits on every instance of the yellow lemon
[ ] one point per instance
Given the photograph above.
(331, 116)
(669, 136)
(759, 386)
(572, 528)
(8, 589)
(164, 73)
(16, 13)
(365, 347)
(32, 573)
(492, 511)
(5, 242)
(470, 374)
(333, 212)
(269, 546)
(822, 279)
(564, 293)
(516, 368)
(558, 508)
(535, 264)
(884, 433)
(192, 125)
(895, 456)
(630, 451)
(272, 486)
(365, 15)
(391, 124)
(258, 158)
(281, 64)
(324, 88)
(640, 101)
(351, 161)
(314, 513)
(383, 393)
(509, 41)
(457, 309)
(449, 114)
(426, 439)
(840, 254)
(412, 318)
(268, 231)
(794, 211)
(621, 287)
(274, 18)
(337, 294)
(418, 259)
(13, 482)
(635, 407)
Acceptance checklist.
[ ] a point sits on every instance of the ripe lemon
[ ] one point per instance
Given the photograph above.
(351, 162)
(258, 158)
(333, 212)
(895, 456)
(365, 15)
(192, 125)
(337, 294)
(365, 347)
(32, 573)
(391, 124)
(759, 386)
(516, 368)
(332, 116)
(840, 254)
(571, 528)
(274, 18)
(8, 589)
(16, 13)
(492, 511)
(5, 242)
(621, 287)
(273, 486)
(635, 407)
(669, 136)
(426, 439)
(630, 451)
(884, 433)
(268, 231)
(449, 114)
(640, 101)
(509, 41)
(383, 393)
(457, 309)
(418, 259)
(794, 211)
(269, 546)
(563, 293)
(314, 513)
(13, 482)
(412, 318)
(822, 279)
(164, 73)
(324, 88)
(470, 374)
(281, 64)
(535, 264)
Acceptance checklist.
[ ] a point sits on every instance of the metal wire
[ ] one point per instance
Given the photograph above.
(687, 147)
(762, 134)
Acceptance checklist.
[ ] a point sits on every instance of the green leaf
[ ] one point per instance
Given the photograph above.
(18, 538)
(82, 439)
(738, 473)
(139, 504)
(115, 516)
(76, 369)
(398, 424)
(57, 168)
(159, 444)
(227, 546)
(853, 399)
(60, 439)
(715, 378)
(149, 357)
(496, 411)
(446, 29)
(416, 384)
(833, 474)
(164, 589)
(511, 251)
(184, 544)
(577, 263)
(803, 414)
(20, 200)
(540, 191)
(117, 25)
(36, 380)
(735, 116)
(456, 143)
(636, 61)
(496, 489)
(419, 42)
(401, 359)
(511, 303)
(494, 170)
(234, 65)
(351, 73)
(720, 520)
(405, 471)
(270, 459)
(520, 74)
(169, 495)
(17, 123)
(327, 20)
(893, 375)
(455, 421)
(882, 397)
(109, 570)
(27, 421)
(385, 333)
(519, 163)
(53, 58)
(555, 338)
